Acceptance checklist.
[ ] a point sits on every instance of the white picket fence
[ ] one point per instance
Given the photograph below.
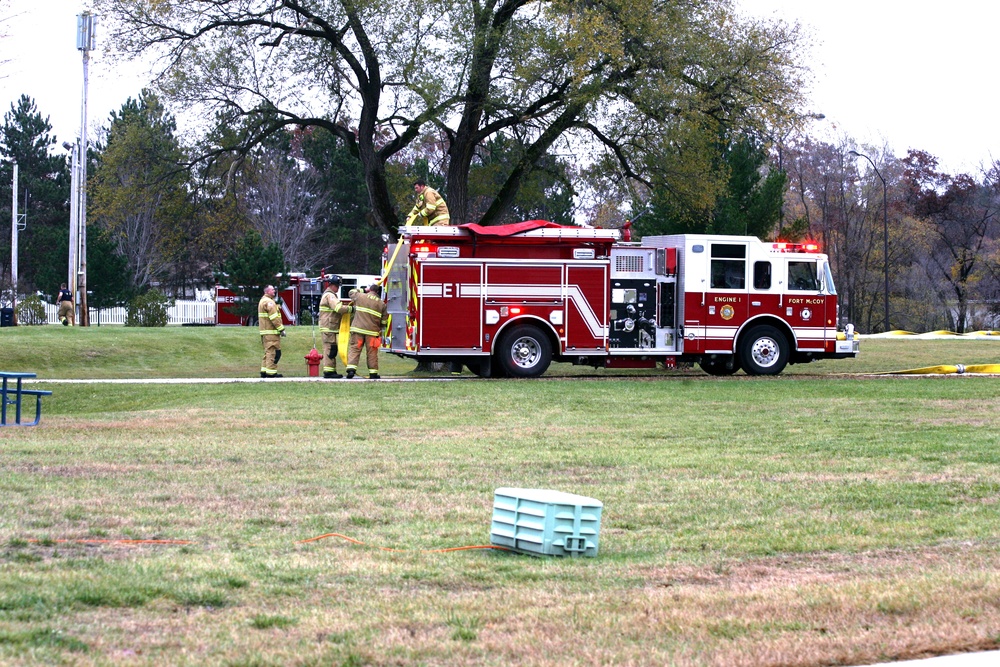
(182, 312)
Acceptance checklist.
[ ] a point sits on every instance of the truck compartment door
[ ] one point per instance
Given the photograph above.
(450, 307)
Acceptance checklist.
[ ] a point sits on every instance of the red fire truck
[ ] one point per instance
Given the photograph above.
(301, 295)
(508, 300)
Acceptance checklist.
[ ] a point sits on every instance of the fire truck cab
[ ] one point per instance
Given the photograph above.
(509, 300)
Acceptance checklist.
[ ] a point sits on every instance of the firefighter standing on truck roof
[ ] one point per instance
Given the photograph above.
(271, 331)
(430, 208)
(331, 310)
(370, 317)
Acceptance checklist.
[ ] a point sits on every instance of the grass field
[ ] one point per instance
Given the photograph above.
(818, 518)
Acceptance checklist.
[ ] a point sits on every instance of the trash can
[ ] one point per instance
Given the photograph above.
(6, 317)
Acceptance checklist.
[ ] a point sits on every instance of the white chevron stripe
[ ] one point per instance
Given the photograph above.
(561, 293)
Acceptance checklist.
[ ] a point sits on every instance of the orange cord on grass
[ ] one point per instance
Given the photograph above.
(423, 551)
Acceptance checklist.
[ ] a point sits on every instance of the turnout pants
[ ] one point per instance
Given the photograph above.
(329, 351)
(359, 342)
(272, 351)
(67, 313)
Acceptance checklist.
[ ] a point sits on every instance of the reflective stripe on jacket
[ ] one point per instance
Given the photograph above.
(331, 309)
(430, 209)
(269, 317)
(370, 314)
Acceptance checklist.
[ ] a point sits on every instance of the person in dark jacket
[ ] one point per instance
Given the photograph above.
(67, 310)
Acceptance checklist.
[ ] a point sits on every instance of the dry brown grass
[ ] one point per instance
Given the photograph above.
(859, 527)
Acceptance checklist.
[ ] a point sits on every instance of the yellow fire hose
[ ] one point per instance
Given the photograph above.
(959, 369)
(344, 338)
(388, 267)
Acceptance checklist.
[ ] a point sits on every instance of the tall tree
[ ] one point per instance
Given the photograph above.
(138, 192)
(250, 267)
(630, 78)
(959, 216)
(747, 201)
(43, 196)
(107, 274)
(346, 232)
(282, 200)
(547, 193)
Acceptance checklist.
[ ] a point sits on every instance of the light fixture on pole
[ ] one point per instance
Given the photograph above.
(86, 39)
(885, 232)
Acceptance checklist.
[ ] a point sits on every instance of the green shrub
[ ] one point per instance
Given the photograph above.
(148, 310)
(31, 311)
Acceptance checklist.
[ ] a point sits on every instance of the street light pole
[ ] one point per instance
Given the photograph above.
(885, 232)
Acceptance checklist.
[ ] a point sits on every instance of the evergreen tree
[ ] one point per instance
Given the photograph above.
(747, 198)
(546, 193)
(43, 194)
(250, 267)
(345, 225)
(107, 274)
(138, 193)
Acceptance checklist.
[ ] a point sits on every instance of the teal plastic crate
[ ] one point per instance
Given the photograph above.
(545, 523)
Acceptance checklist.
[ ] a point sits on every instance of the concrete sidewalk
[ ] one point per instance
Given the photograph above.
(981, 659)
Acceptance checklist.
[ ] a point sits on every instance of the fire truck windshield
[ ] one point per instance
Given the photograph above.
(828, 278)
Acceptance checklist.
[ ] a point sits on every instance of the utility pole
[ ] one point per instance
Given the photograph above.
(74, 219)
(86, 39)
(17, 223)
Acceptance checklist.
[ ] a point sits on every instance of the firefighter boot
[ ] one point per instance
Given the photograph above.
(350, 373)
(332, 375)
(374, 376)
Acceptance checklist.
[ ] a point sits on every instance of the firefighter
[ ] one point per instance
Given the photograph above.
(430, 208)
(272, 330)
(67, 311)
(369, 320)
(331, 310)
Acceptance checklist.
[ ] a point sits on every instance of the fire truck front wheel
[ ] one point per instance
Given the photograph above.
(524, 352)
(764, 351)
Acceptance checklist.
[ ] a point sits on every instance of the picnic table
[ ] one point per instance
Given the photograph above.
(13, 395)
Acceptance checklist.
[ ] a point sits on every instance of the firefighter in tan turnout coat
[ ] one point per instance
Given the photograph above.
(331, 310)
(430, 208)
(369, 320)
(271, 331)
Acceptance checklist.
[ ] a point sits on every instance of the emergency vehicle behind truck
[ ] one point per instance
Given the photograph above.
(508, 300)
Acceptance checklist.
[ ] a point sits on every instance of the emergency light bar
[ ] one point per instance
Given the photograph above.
(424, 250)
(784, 246)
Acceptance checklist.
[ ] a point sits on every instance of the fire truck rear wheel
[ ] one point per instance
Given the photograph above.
(764, 351)
(525, 352)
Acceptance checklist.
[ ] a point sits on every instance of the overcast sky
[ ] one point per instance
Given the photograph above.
(910, 74)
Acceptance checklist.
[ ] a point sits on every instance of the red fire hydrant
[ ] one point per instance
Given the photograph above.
(312, 362)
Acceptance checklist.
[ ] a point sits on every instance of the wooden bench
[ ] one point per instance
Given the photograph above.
(13, 396)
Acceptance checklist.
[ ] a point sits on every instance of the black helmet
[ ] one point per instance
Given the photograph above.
(333, 280)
